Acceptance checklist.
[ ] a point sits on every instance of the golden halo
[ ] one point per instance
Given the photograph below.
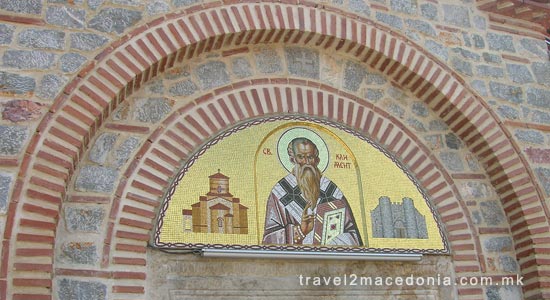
(296, 132)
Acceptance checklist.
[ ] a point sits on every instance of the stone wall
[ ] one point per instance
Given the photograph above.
(92, 91)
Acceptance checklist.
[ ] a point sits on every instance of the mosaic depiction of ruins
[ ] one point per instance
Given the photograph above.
(300, 182)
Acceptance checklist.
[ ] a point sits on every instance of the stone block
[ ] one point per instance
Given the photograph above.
(467, 54)
(529, 136)
(503, 292)
(492, 58)
(396, 110)
(472, 162)
(302, 62)
(498, 244)
(420, 109)
(5, 188)
(500, 42)
(66, 16)
(21, 111)
(22, 6)
(102, 147)
(157, 7)
(542, 72)
(543, 174)
(476, 217)
(212, 74)
(129, 2)
(151, 110)
(538, 97)
(114, 20)
(50, 86)
(489, 71)
(508, 264)
(23, 59)
(390, 20)
(375, 79)
(416, 125)
(538, 156)
(479, 42)
(438, 125)
(180, 3)
(6, 34)
(71, 62)
(480, 22)
(94, 4)
(268, 61)
(434, 141)
(12, 139)
(122, 153)
(84, 253)
(374, 94)
(83, 290)
(156, 86)
(492, 212)
(452, 141)
(183, 88)
(87, 41)
(421, 26)
(359, 6)
(508, 112)
(456, 15)
(519, 73)
(462, 66)
(354, 74)
(540, 117)
(241, 67)
(15, 84)
(437, 49)
(84, 219)
(480, 87)
(429, 11)
(452, 161)
(475, 190)
(96, 179)
(404, 6)
(507, 92)
(467, 40)
(536, 47)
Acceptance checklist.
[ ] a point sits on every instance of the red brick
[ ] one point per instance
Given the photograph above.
(33, 267)
(131, 248)
(47, 283)
(37, 224)
(127, 128)
(134, 223)
(35, 238)
(89, 199)
(44, 197)
(32, 252)
(120, 289)
(129, 261)
(132, 235)
(31, 297)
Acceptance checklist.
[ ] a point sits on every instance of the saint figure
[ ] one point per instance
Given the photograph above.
(307, 208)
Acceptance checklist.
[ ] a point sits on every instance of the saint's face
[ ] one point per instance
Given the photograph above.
(305, 155)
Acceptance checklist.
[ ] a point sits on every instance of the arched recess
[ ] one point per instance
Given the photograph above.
(184, 131)
(152, 48)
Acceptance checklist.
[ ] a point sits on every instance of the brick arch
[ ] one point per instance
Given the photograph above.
(189, 127)
(125, 65)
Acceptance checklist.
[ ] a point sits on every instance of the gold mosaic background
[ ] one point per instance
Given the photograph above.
(249, 158)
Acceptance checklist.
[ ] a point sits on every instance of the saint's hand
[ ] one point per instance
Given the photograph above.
(307, 220)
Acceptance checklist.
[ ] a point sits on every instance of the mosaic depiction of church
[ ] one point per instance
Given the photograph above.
(218, 211)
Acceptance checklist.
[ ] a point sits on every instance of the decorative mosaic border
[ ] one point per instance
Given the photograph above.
(247, 124)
